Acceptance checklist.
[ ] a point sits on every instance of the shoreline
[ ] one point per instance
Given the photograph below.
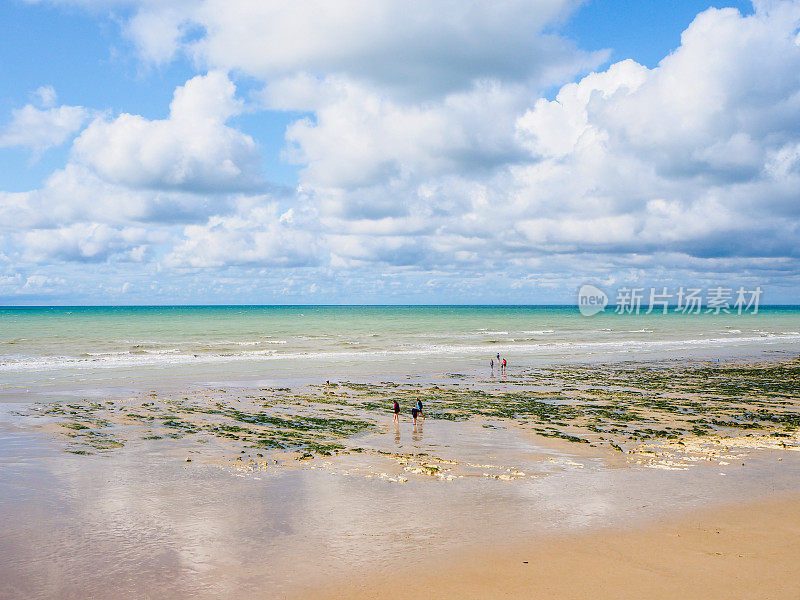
(124, 369)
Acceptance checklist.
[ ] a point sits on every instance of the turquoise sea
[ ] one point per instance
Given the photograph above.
(62, 351)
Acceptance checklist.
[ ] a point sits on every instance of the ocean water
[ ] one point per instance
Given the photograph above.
(51, 352)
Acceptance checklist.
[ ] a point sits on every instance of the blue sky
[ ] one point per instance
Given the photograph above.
(643, 31)
(200, 151)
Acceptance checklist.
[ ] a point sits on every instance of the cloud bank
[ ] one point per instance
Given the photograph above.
(429, 154)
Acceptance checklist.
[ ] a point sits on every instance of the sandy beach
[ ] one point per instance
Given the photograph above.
(745, 551)
(571, 481)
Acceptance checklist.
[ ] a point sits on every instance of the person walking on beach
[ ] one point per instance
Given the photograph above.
(504, 366)
(414, 412)
(491, 364)
(396, 411)
(419, 408)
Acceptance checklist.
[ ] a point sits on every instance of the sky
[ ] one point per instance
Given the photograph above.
(396, 152)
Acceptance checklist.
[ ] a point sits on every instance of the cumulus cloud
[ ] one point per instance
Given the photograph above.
(191, 150)
(697, 156)
(416, 48)
(81, 242)
(713, 105)
(43, 127)
(429, 149)
(158, 31)
(76, 193)
(359, 138)
(256, 235)
(684, 156)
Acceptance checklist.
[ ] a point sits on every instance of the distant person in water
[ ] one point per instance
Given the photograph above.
(419, 408)
(491, 364)
(414, 412)
(504, 365)
(396, 411)
(498, 356)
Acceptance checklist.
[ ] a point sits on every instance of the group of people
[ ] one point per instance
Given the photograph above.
(416, 412)
(502, 364)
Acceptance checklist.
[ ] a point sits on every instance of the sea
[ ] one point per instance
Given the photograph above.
(52, 353)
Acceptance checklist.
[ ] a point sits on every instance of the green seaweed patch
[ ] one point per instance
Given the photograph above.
(106, 444)
(75, 426)
(268, 443)
(335, 426)
(324, 449)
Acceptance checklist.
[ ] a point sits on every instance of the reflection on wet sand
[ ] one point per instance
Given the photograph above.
(144, 519)
(260, 493)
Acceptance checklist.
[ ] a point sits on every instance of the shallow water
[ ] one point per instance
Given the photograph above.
(58, 352)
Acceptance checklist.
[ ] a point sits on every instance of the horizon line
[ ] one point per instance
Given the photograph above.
(332, 305)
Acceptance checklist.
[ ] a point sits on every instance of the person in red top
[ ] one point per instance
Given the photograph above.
(504, 365)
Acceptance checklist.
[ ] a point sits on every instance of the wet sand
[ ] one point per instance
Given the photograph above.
(182, 496)
(140, 522)
(749, 550)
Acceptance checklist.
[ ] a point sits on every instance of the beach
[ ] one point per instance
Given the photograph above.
(742, 551)
(601, 472)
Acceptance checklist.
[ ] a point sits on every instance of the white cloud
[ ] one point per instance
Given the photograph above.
(429, 150)
(157, 34)
(41, 282)
(697, 156)
(80, 242)
(47, 95)
(418, 47)
(553, 129)
(733, 78)
(191, 150)
(685, 156)
(42, 128)
(75, 193)
(361, 138)
(257, 235)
